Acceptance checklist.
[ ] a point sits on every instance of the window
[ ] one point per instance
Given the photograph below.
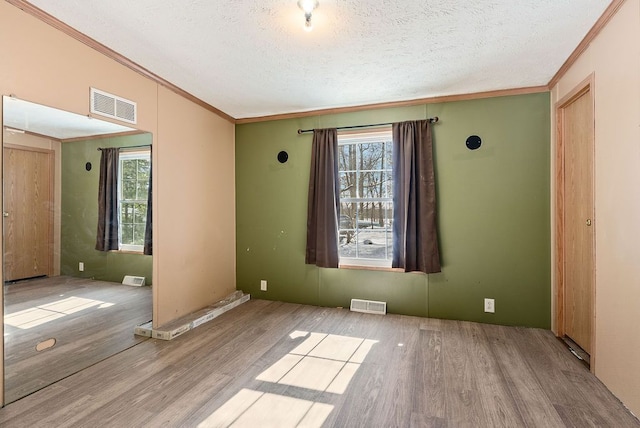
(133, 189)
(366, 199)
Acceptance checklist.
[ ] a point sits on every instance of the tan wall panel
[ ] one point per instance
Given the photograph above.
(614, 57)
(197, 223)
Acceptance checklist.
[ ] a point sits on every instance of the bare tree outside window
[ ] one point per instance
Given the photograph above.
(366, 199)
(135, 168)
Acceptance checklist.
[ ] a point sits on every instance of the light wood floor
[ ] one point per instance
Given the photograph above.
(272, 364)
(90, 320)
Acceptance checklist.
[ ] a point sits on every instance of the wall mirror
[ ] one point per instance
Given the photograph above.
(65, 304)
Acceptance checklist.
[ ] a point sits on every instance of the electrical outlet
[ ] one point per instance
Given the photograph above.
(81, 266)
(263, 285)
(490, 305)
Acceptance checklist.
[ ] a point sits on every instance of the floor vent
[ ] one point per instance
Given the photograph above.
(112, 106)
(368, 306)
(137, 281)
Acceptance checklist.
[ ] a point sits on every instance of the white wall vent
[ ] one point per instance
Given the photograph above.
(112, 106)
(137, 281)
(368, 306)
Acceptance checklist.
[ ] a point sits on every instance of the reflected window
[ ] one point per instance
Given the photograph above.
(133, 190)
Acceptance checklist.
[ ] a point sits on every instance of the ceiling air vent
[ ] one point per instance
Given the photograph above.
(112, 106)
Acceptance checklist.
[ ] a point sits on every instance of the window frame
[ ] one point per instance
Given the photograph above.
(142, 154)
(373, 135)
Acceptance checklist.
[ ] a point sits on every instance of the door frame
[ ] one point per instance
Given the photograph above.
(51, 196)
(586, 86)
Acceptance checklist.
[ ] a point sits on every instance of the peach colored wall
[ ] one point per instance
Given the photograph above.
(194, 263)
(197, 222)
(48, 144)
(614, 58)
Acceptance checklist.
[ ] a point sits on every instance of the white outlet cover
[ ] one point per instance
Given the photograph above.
(489, 305)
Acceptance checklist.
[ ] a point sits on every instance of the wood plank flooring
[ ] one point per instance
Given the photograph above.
(90, 321)
(273, 364)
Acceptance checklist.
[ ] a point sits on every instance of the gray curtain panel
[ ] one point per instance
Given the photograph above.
(415, 244)
(107, 236)
(323, 204)
(148, 234)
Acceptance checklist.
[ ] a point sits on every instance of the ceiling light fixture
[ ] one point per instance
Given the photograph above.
(308, 7)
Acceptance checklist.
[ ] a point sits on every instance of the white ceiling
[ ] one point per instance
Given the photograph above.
(252, 58)
(27, 116)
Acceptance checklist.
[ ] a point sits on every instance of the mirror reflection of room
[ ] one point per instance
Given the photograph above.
(66, 306)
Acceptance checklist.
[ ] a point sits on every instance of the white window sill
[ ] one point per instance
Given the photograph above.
(141, 252)
(364, 264)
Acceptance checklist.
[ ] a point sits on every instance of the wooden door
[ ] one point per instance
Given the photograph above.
(576, 129)
(28, 212)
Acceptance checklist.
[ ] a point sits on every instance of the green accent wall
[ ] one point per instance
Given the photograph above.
(80, 215)
(493, 214)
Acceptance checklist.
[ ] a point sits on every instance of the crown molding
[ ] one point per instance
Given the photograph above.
(586, 41)
(418, 101)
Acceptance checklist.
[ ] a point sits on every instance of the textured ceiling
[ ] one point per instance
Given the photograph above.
(252, 58)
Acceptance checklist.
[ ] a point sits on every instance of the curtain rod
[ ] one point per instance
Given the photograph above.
(126, 147)
(434, 119)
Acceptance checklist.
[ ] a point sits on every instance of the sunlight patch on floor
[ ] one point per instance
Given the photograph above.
(322, 364)
(42, 314)
(250, 408)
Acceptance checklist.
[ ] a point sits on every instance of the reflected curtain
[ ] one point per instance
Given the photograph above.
(148, 234)
(323, 203)
(107, 236)
(415, 244)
